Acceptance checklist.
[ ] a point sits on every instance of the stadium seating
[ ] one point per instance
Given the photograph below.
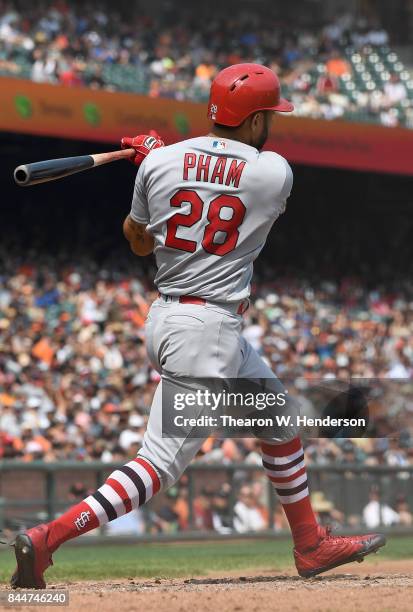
(174, 63)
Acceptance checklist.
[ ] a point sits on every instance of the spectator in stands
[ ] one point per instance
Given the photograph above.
(378, 513)
(132, 524)
(280, 522)
(133, 434)
(351, 454)
(205, 72)
(221, 511)
(44, 67)
(322, 451)
(395, 455)
(247, 515)
(336, 65)
(404, 512)
(327, 84)
(77, 492)
(254, 332)
(394, 91)
(181, 507)
(377, 36)
(202, 509)
(166, 519)
(327, 514)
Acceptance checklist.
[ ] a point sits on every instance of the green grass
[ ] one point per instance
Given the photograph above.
(175, 560)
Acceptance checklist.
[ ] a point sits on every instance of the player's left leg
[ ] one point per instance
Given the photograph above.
(315, 549)
(158, 465)
(162, 459)
(128, 487)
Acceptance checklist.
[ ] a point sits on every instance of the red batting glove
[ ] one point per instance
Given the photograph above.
(143, 145)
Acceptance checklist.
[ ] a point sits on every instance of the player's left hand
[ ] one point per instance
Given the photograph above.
(143, 145)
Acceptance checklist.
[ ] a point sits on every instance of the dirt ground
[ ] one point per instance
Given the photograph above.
(376, 586)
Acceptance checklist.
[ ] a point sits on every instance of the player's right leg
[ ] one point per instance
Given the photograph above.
(316, 550)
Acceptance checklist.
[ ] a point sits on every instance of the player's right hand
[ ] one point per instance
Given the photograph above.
(143, 145)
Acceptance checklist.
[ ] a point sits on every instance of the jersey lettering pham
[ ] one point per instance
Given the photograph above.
(210, 210)
(213, 169)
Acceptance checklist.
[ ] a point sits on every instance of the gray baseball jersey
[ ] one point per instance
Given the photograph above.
(209, 203)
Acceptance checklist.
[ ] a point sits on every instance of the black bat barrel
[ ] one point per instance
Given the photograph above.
(51, 169)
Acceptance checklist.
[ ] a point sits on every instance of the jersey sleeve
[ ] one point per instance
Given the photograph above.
(285, 190)
(274, 184)
(139, 210)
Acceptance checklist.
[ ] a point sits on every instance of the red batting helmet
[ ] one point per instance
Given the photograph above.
(242, 89)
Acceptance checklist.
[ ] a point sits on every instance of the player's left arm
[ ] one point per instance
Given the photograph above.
(134, 227)
(141, 242)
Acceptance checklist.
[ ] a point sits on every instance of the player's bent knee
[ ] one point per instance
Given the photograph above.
(168, 474)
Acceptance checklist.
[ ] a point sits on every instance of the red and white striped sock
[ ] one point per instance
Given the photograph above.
(285, 466)
(127, 488)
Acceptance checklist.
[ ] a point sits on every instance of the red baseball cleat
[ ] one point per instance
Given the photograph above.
(33, 558)
(333, 551)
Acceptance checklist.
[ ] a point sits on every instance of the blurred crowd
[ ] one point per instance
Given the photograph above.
(341, 68)
(75, 381)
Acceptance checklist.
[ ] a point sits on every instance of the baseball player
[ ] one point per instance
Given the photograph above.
(204, 207)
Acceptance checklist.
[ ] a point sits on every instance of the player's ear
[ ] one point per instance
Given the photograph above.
(256, 120)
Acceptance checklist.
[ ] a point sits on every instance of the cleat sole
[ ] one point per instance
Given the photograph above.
(24, 576)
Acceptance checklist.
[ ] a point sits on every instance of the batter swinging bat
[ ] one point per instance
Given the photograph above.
(53, 169)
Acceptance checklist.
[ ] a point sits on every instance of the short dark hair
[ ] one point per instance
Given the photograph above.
(234, 127)
(227, 127)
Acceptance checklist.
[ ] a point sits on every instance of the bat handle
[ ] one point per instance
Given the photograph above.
(105, 158)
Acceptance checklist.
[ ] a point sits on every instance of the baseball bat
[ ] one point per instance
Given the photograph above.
(54, 169)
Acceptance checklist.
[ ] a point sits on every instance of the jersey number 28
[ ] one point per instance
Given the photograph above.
(216, 223)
